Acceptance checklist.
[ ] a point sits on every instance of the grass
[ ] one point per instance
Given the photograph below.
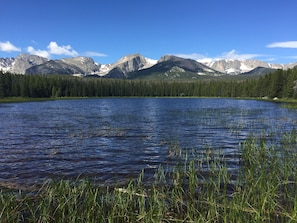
(21, 99)
(200, 188)
(289, 103)
(27, 99)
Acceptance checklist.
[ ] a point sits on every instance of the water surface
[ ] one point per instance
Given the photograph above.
(108, 140)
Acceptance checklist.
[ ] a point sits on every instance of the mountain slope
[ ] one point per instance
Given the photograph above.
(128, 64)
(234, 67)
(137, 66)
(169, 61)
(170, 67)
(291, 65)
(259, 71)
(24, 61)
(54, 67)
(86, 64)
(6, 64)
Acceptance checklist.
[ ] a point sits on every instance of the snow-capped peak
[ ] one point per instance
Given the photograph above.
(151, 61)
(232, 66)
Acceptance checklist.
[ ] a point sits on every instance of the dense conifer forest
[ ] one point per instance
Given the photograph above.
(281, 84)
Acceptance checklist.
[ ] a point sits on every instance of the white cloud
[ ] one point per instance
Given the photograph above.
(233, 54)
(193, 56)
(41, 53)
(8, 47)
(95, 54)
(54, 48)
(288, 44)
(236, 56)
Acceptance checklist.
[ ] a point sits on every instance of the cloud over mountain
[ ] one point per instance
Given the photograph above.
(8, 47)
(41, 53)
(230, 55)
(287, 44)
(94, 54)
(234, 55)
(54, 48)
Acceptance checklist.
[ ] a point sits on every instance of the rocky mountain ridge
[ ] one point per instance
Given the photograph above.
(128, 64)
(132, 64)
(21, 63)
(79, 66)
(173, 67)
(6, 64)
(234, 67)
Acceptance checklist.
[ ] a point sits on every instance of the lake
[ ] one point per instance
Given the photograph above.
(109, 140)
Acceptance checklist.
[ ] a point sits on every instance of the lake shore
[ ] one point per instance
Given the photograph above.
(189, 194)
(22, 99)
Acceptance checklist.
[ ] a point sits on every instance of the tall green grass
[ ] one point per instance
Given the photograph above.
(200, 188)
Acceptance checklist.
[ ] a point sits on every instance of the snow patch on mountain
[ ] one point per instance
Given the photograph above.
(104, 69)
(86, 64)
(6, 64)
(127, 64)
(234, 67)
(133, 63)
(151, 62)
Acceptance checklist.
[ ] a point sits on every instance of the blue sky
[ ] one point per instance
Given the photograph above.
(106, 30)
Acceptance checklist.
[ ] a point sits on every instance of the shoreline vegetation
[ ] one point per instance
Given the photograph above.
(286, 103)
(200, 188)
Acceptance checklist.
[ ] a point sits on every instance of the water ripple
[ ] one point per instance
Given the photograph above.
(110, 140)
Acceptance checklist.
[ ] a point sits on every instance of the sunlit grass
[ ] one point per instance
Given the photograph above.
(199, 188)
(21, 99)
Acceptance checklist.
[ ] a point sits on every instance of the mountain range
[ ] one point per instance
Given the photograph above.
(137, 66)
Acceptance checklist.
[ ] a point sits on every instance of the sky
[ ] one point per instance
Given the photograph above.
(107, 30)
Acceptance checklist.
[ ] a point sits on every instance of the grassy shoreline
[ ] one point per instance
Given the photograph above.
(200, 188)
(24, 99)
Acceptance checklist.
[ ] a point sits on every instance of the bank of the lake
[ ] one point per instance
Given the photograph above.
(286, 103)
(200, 189)
(29, 99)
(26, 99)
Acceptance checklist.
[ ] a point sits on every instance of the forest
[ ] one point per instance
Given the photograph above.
(280, 84)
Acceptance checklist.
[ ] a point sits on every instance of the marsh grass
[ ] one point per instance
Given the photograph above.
(200, 188)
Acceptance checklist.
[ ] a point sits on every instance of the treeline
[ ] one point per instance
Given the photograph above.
(281, 84)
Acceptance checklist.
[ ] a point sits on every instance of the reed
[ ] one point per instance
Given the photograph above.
(200, 188)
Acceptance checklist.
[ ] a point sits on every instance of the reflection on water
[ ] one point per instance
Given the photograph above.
(108, 140)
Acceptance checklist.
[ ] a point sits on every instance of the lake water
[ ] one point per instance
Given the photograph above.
(111, 139)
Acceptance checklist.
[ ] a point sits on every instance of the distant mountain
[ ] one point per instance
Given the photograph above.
(169, 61)
(31, 64)
(86, 64)
(115, 73)
(137, 66)
(234, 67)
(172, 67)
(259, 71)
(54, 67)
(72, 66)
(22, 62)
(6, 64)
(290, 65)
(128, 64)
